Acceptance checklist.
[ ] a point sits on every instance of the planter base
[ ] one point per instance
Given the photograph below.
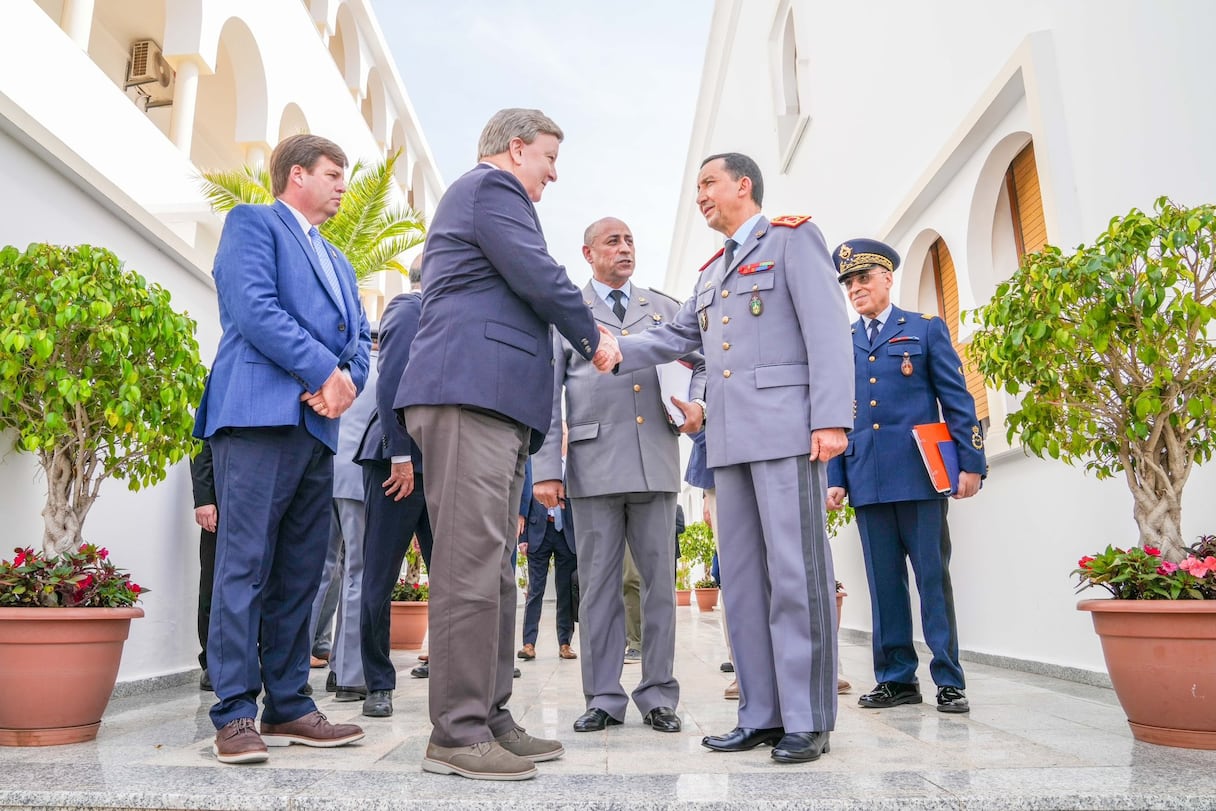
(1164, 736)
(55, 736)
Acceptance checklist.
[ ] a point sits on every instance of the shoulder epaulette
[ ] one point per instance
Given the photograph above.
(659, 292)
(927, 316)
(791, 220)
(712, 259)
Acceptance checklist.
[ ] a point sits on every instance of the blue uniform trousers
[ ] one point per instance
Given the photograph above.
(276, 488)
(892, 534)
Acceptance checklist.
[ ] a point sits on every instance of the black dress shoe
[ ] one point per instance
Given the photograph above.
(742, 739)
(204, 682)
(331, 682)
(378, 704)
(307, 689)
(350, 693)
(726, 667)
(595, 719)
(952, 699)
(516, 674)
(422, 671)
(801, 747)
(890, 694)
(662, 719)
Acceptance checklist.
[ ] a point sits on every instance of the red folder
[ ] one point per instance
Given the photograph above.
(938, 453)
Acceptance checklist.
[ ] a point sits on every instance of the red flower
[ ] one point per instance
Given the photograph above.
(1152, 550)
(20, 558)
(1084, 562)
(103, 553)
(135, 589)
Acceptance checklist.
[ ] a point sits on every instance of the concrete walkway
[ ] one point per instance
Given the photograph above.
(1029, 742)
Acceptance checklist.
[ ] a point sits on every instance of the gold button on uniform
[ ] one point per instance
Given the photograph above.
(624, 332)
(642, 419)
(726, 372)
(873, 379)
(725, 293)
(871, 359)
(726, 319)
(875, 425)
(872, 402)
(637, 387)
(725, 345)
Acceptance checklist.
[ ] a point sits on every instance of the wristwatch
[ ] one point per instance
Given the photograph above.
(704, 411)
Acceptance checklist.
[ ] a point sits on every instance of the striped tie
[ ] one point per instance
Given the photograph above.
(327, 267)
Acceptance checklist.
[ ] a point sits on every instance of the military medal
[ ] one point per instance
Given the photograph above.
(906, 366)
(705, 320)
(977, 441)
(755, 304)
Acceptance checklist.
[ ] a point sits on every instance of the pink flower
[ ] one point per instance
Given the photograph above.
(1167, 568)
(1152, 550)
(1195, 567)
(103, 553)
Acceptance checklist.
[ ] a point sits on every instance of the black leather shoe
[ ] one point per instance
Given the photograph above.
(307, 689)
(801, 747)
(350, 693)
(331, 682)
(378, 704)
(204, 682)
(952, 699)
(422, 671)
(890, 694)
(593, 720)
(742, 739)
(662, 719)
(516, 674)
(726, 667)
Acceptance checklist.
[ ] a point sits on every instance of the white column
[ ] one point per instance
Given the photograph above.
(185, 97)
(77, 21)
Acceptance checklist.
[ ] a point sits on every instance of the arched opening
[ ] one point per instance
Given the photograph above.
(397, 142)
(939, 270)
(375, 107)
(232, 106)
(992, 243)
(292, 121)
(417, 196)
(344, 46)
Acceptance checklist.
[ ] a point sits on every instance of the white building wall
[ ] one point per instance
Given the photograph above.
(913, 112)
(83, 164)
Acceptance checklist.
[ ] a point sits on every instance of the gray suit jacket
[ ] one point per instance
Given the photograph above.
(620, 440)
(348, 474)
(776, 371)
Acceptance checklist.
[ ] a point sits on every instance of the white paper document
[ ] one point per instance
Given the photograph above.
(674, 380)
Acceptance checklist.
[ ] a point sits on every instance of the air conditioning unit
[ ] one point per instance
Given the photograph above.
(150, 74)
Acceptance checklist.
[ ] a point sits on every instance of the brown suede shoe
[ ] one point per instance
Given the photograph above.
(843, 685)
(311, 730)
(526, 652)
(481, 761)
(567, 652)
(732, 691)
(239, 742)
(519, 743)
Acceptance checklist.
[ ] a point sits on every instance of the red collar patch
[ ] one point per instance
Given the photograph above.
(712, 259)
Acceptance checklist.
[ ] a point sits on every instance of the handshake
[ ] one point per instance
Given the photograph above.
(608, 353)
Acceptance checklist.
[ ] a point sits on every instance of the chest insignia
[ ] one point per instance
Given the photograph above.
(755, 267)
(705, 320)
(905, 367)
(754, 304)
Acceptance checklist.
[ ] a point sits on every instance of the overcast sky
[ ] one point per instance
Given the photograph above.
(620, 79)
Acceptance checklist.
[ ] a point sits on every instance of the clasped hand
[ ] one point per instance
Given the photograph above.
(336, 395)
(608, 353)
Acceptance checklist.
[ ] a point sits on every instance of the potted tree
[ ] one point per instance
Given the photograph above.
(683, 592)
(98, 378)
(697, 549)
(409, 604)
(1110, 349)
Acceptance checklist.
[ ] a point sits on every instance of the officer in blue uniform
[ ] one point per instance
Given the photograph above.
(907, 373)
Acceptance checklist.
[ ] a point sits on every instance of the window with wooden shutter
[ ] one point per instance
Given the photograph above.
(1026, 202)
(947, 300)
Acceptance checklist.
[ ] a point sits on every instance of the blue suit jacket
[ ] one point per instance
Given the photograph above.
(538, 521)
(284, 333)
(492, 289)
(385, 436)
(882, 463)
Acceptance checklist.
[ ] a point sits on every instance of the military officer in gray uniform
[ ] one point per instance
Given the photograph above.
(623, 474)
(775, 334)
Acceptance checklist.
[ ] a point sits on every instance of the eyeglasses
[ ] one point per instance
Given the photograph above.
(863, 278)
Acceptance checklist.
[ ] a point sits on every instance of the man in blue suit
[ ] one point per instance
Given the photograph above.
(291, 359)
(477, 396)
(907, 373)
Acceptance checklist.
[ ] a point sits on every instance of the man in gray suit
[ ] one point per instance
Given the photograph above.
(623, 474)
(780, 393)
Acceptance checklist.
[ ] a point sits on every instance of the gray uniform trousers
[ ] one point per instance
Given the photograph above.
(474, 480)
(346, 657)
(604, 524)
(777, 570)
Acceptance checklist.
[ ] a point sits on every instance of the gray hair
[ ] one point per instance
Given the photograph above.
(514, 122)
(416, 270)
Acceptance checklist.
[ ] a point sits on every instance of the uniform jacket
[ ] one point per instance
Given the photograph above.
(284, 333)
(882, 463)
(619, 438)
(492, 289)
(774, 377)
(385, 436)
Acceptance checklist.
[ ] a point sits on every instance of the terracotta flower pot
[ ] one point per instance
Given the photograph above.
(707, 598)
(683, 596)
(407, 628)
(57, 671)
(840, 595)
(1161, 656)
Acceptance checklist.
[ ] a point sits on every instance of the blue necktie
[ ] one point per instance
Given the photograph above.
(556, 512)
(327, 267)
(618, 306)
(875, 326)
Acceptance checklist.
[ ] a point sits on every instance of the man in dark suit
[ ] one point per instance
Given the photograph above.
(395, 499)
(907, 373)
(549, 536)
(206, 515)
(774, 331)
(291, 359)
(477, 395)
